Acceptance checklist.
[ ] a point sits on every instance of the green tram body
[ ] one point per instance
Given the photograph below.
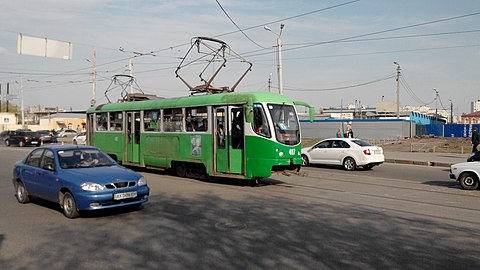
(140, 133)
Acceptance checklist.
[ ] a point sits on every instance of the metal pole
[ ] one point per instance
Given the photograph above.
(94, 77)
(398, 89)
(451, 112)
(131, 73)
(23, 110)
(279, 50)
(269, 82)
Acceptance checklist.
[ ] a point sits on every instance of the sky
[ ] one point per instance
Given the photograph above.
(334, 52)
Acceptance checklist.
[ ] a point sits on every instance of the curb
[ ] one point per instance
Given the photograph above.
(421, 163)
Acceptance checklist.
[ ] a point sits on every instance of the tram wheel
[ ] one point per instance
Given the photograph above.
(181, 169)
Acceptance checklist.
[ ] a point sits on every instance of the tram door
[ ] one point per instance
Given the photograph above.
(229, 139)
(133, 137)
(90, 129)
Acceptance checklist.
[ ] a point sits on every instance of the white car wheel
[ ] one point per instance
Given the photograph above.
(349, 164)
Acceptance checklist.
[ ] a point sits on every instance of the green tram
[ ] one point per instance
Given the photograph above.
(247, 135)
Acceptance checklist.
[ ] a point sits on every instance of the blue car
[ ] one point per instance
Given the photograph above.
(79, 178)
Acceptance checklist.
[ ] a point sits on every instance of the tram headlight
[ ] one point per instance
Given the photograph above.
(281, 153)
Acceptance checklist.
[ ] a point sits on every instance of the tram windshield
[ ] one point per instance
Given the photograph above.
(285, 122)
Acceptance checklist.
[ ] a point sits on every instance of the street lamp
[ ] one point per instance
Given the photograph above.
(436, 98)
(279, 56)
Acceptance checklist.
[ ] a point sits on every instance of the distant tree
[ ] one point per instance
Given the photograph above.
(13, 108)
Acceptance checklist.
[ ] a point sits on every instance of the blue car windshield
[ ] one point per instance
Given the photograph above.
(81, 158)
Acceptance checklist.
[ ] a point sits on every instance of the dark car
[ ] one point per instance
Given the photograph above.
(4, 135)
(46, 136)
(474, 157)
(22, 138)
(78, 178)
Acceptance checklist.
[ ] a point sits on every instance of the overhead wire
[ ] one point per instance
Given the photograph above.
(342, 87)
(239, 29)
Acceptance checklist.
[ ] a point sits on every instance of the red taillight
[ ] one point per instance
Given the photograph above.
(25, 138)
(367, 152)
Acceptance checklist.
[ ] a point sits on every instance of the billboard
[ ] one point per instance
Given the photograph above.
(44, 47)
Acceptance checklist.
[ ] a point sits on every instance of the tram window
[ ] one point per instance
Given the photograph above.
(116, 121)
(151, 120)
(260, 122)
(173, 119)
(197, 119)
(285, 123)
(102, 121)
(237, 128)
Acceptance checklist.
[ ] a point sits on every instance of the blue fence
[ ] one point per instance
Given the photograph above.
(447, 130)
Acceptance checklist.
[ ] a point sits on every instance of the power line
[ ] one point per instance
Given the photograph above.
(341, 88)
(239, 29)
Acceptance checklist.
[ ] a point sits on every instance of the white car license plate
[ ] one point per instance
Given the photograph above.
(377, 152)
(124, 195)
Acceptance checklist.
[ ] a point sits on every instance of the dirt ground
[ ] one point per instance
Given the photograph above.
(423, 144)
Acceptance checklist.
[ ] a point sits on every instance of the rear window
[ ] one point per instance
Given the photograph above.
(361, 143)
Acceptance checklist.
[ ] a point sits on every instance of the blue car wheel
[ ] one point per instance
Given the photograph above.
(69, 206)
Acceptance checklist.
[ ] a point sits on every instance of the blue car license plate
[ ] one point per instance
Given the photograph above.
(125, 195)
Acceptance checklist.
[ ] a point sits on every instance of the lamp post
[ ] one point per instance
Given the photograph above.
(436, 102)
(398, 89)
(279, 56)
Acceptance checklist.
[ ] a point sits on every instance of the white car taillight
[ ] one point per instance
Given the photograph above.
(367, 152)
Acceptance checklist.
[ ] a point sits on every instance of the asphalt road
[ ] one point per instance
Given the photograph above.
(392, 217)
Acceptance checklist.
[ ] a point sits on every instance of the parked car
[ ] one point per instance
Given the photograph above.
(46, 136)
(4, 135)
(67, 132)
(347, 152)
(78, 178)
(80, 138)
(22, 138)
(474, 157)
(466, 173)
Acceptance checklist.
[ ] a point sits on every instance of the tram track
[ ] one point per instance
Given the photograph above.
(405, 197)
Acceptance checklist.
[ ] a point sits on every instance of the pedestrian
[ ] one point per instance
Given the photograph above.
(339, 133)
(475, 140)
(349, 132)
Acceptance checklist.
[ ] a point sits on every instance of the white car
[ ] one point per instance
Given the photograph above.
(80, 138)
(466, 173)
(347, 152)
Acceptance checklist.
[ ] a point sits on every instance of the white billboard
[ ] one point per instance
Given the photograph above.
(44, 47)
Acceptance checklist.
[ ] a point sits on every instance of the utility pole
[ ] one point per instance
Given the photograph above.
(451, 111)
(398, 89)
(23, 109)
(436, 102)
(269, 82)
(8, 93)
(279, 57)
(94, 77)
(130, 71)
(280, 74)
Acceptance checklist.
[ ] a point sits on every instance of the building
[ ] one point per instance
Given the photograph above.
(475, 106)
(471, 118)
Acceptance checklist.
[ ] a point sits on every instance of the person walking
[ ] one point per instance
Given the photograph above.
(340, 133)
(475, 140)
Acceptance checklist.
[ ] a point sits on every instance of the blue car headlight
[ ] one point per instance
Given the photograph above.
(142, 181)
(89, 186)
